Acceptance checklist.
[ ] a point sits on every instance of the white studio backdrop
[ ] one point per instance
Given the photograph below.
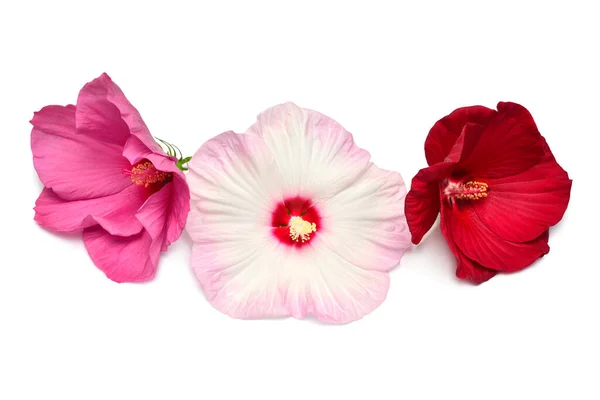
(386, 71)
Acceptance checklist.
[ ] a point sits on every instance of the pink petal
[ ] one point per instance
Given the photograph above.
(178, 210)
(154, 213)
(123, 259)
(115, 213)
(135, 151)
(75, 167)
(480, 244)
(128, 113)
(164, 214)
(445, 132)
(97, 117)
(317, 157)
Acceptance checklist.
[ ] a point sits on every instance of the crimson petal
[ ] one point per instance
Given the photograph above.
(423, 200)
(482, 245)
(446, 131)
(509, 145)
(465, 267)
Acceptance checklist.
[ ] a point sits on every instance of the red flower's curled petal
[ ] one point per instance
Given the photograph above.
(465, 267)
(444, 134)
(423, 200)
(509, 144)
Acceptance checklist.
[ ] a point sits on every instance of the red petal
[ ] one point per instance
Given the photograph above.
(465, 267)
(466, 142)
(423, 200)
(509, 145)
(480, 244)
(445, 132)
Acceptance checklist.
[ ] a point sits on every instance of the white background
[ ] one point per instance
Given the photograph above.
(386, 71)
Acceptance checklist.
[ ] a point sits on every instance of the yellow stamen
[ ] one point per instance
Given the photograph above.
(145, 174)
(471, 190)
(301, 229)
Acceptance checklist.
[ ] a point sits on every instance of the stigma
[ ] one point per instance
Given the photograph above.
(300, 229)
(144, 173)
(471, 190)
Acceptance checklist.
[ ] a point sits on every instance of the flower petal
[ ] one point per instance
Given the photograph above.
(480, 244)
(317, 157)
(97, 117)
(365, 222)
(509, 144)
(263, 278)
(75, 167)
(423, 200)
(115, 213)
(178, 210)
(234, 184)
(123, 259)
(465, 267)
(446, 131)
(522, 210)
(129, 114)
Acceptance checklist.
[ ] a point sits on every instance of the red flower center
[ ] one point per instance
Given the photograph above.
(471, 190)
(295, 221)
(145, 174)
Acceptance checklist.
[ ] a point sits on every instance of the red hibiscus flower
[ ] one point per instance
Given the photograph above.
(497, 185)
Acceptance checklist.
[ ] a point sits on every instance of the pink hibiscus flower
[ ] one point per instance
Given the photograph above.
(106, 176)
(291, 218)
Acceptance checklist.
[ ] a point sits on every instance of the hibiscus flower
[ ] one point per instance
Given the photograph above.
(497, 185)
(291, 218)
(104, 174)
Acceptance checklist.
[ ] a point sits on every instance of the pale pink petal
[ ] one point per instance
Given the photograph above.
(365, 222)
(76, 167)
(234, 184)
(263, 278)
(317, 157)
(123, 259)
(115, 213)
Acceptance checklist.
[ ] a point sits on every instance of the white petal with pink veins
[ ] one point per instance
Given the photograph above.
(365, 221)
(316, 156)
(261, 278)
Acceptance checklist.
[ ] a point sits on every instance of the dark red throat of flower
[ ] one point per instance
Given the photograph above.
(146, 175)
(471, 190)
(295, 221)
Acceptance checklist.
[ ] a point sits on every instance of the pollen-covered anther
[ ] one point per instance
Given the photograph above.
(300, 229)
(471, 190)
(145, 174)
